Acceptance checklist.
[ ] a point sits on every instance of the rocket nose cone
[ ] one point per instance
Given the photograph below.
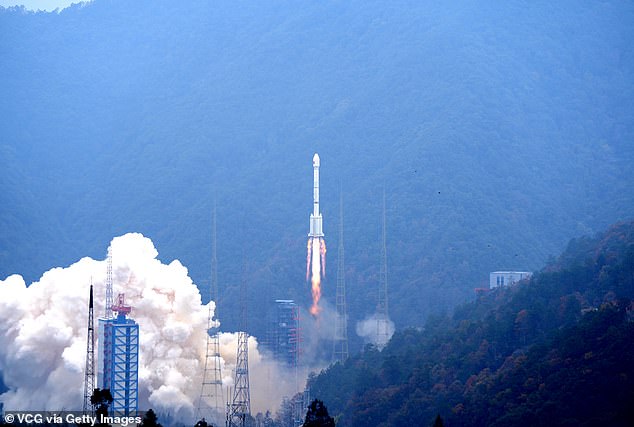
(316, 160)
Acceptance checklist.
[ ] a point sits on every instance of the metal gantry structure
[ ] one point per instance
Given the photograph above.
(89, 379)
(382, 313)
(239, 410)
(121, 360)
(210, 402)
(340, 343)
(119, 352)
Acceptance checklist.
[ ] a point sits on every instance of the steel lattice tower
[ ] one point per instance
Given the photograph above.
(210, 402)
(239, 411)
(89, 379)
(108, 313)
(340, 344)
(382, 318)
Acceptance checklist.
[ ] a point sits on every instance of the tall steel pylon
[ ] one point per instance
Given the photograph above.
(340, 344)
(89, 379)
(210, 402)
(383, 318)
(108, 309)
(239, 411)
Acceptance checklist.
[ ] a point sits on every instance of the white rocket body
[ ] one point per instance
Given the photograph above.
(316, 225)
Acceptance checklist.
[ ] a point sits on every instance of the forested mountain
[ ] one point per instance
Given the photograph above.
(552, 350)
(499, 131)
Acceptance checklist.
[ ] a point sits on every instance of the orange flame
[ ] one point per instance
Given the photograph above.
(316, 276)
(309, 247)
(322, 250)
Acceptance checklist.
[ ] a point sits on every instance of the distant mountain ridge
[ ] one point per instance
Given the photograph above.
(498, 132)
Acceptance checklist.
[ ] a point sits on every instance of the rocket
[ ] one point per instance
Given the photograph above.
(316, 225)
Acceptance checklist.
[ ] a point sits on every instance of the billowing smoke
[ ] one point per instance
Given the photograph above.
(375, 330)
(43, 334)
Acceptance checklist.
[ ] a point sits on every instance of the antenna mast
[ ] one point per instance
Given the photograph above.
(89, 379)
(108, 313)
(211, 388)
(340, 346)
(382, 320)
(239, 412)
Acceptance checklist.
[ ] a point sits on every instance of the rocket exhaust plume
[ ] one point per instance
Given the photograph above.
(309, 247)
(322, 251)
(316, 278)
(316, 256)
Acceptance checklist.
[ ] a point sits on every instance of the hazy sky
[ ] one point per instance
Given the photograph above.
(39, 4)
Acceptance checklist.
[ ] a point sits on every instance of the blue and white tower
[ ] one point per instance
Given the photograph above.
(119, 361)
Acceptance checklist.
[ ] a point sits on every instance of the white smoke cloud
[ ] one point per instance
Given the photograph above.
(367, 329)
(43, 330)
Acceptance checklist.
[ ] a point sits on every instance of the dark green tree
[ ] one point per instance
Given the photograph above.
(101, 400)
(317, 415)
(150, 419)
(438, 422)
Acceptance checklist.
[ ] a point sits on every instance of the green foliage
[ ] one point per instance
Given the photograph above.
(438, 422)
(101, 400)
(151, 420)
(317, 415)
(557, 348)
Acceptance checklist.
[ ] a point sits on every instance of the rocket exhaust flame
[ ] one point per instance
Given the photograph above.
(316, 278)
(322, 251)
(309, 247)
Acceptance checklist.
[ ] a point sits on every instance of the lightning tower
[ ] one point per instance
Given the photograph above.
(340, 346)
(239, 411)
(210, 402)
(382, 318)
(108, 313)
(89, 379)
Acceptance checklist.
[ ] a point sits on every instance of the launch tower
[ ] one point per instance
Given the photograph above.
(382, 318)
(210, 402)
(119, 364)
(89, 379)
(340, 345)
(286, 332)
(239, 411)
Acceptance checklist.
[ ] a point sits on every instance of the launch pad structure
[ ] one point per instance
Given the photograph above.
(239, 410)
(89, 374)
(119, 350)
(340, 342)
(120, 361)
(382, 313)
(210, 403)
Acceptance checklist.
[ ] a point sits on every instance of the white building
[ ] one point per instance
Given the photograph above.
(507, 278)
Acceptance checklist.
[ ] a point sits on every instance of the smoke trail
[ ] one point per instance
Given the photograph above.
(43, 334)
(367, 329)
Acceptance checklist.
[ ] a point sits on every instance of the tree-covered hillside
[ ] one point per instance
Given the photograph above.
(554, 350)
(498, 132)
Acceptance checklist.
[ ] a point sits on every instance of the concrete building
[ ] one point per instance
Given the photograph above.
(507, 278)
